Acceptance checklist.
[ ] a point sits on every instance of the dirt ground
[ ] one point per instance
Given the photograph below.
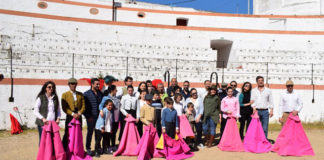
(25, 147)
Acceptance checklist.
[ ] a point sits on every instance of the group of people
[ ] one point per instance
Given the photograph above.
(105, 110)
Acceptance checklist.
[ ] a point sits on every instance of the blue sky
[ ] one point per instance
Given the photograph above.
(221, 6)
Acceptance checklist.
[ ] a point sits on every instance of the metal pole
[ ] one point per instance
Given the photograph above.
(267, 74)
(313, 100)
(211, 78)
(167, 73)
(126, 66)
(113, 10)
(11, 98)
(73, 65)
(223, 72)
(248, 6)
(176, 68)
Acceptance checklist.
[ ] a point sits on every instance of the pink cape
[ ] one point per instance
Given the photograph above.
(175, 149)
(231, 140)
(185, 128)
(75, 149)
(15, 126)
(292, 140)
(146, 147)
(255, 140)
(130, 139)
(51, 146)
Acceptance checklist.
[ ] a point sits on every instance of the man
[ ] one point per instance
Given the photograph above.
(128, 82)
(207, 84)
(174, 83)
(235, 92)
(92, 99)
(109, 80)
(150, 87)
(222, 91)
(290, 102)
(73, 106)
(185, 92)
(160, 89)
(128, 108)
(263, 101)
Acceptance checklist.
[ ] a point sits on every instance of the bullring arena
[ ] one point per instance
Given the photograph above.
(43, 40)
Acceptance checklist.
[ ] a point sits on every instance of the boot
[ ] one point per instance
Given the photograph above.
(206, 139)
(211, 140)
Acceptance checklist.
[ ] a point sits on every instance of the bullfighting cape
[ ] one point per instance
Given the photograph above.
(231, 140)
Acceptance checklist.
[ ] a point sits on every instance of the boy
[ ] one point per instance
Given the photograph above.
(190, 114)
(147, 112)
(104, 128)
(170, 123)
(157, 104)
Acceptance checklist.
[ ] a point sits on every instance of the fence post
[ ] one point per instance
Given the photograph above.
(126, 66)
(267, 74)
(73, 65)
(176, 68)
(11, 98)
(223, 72)
(313, 100)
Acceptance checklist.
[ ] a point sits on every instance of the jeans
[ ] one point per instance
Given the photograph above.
(40, 130)
(91, 125)
(211, 125)
(264, 118)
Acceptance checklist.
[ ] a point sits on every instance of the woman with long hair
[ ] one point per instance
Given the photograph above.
(47, 106)
(245, 107)
(141, 87)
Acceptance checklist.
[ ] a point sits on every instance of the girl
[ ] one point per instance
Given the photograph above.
(140, 104)
(178, 106)
(245, 107)
(170, 123)
(211, 115)
(113, 96)
(230, 105)
(104, 129)
(141, 87)
(47, 106)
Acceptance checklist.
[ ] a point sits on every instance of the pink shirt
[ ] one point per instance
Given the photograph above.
(230, 105)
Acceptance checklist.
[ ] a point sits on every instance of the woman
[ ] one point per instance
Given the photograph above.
(141, 87)
(211, 115)
(140, 104)
(47, 106)
(112, 93)
(245, 107)
(199, 110)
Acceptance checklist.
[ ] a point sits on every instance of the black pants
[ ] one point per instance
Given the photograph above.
(91, 125)
(113, 133)
(245, 119)
(98, 137)
(106, 140)
(140, 128)
(170, 129)
(223, 124)
(66, 130)
(158, 121)
(122, 124)
(198, 127)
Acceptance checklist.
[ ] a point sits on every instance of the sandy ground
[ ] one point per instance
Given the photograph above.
(25, 147)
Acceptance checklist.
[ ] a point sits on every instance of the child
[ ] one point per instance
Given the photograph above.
(104, 129)
(140, 104)
(170, 124)
(147, 114)
(178, 106)
(157, 104)
(190, 114)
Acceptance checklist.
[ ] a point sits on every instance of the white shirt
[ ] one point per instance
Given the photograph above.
(179, 108)
(290, 102)
(140, 104)
(50, 113)
(108, 122)
(262, 99)
(203, 94)
(74, 95)
(128, 103)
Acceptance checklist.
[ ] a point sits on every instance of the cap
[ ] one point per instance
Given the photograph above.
(224, 85)
(72, 80)
(148, 97)
(213, 87)
(289, 82)
(110, 78)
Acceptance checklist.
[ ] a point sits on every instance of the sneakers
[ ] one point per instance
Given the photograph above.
(201, 145)
(97, 154)
(114, 148)
(89, 152)
(108, 151)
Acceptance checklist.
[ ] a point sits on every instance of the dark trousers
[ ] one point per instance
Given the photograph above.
(66, 130)
(140, 128)
(170, 129)
(106, 140)
(98, 137)
(122, 124)
(113, 133)
(244, 120)
(223, 124)
(198, 127)
(158, 121)
(40, 130)
(91, 125)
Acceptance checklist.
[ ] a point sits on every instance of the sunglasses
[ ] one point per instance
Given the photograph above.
(194, 93)
(233, 85)
(73, 83)
(290, 86)
(49, 87)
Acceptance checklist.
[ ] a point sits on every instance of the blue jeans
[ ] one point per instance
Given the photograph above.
(211, 125)
(264, 118)
(40, 130)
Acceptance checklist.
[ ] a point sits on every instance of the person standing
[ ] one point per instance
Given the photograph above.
(128, 82)
(171, 89)
(222, 94)
(141, 87)
(157, 104)
(128, 108)
(290, 102)
(160, 90)
(73, 106)
(207, 84)
(211, 115)
(185, 91)
(150, 87)
(230, 105)
(92, 99)
(140, 103)
(47, 106)
(170, 122)
(109, 80)
(245, 107)
(236, 93)
(262, 102)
